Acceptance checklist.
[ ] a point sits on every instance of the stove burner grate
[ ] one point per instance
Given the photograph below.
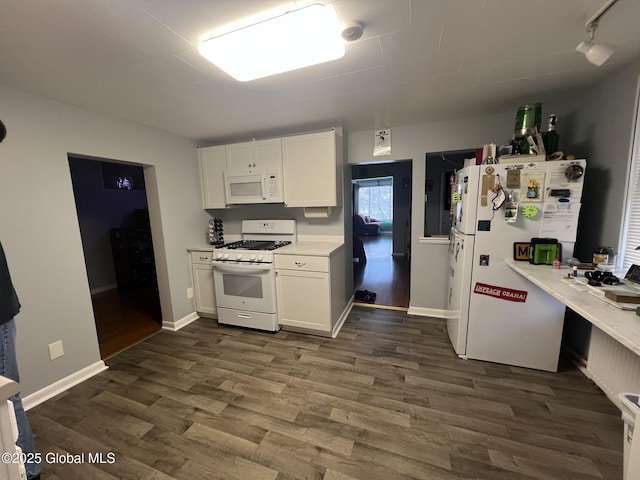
(256, 244)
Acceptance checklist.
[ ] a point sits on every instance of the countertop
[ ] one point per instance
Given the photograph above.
(435, 240)
(201, 248)
(621, 325)
(322, 249)
(8, 388)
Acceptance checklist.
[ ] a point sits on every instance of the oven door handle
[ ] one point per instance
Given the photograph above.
(238, 267)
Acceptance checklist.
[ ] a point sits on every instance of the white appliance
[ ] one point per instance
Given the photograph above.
(244, 274)
(259, 185)
(494, 314)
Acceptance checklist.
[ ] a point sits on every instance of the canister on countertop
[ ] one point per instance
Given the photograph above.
(604, 255)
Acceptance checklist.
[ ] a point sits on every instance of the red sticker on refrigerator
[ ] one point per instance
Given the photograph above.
(501, 292)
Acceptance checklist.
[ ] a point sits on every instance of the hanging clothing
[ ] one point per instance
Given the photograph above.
(9, 304)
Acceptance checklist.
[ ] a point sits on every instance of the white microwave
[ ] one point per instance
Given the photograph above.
(255, 186)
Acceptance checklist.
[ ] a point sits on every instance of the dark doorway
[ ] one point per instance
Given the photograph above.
(382, 254)
(113, 215)
(440, 167)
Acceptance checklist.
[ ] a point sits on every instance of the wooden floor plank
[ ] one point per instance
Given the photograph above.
(125, 317)
(387, 399)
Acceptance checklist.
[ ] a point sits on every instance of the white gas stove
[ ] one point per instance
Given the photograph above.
(259, 239)
(248, 251)
(244, 274)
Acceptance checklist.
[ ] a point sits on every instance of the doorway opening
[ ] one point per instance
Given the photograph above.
(440, 166)
(113, 215)
(381, 200)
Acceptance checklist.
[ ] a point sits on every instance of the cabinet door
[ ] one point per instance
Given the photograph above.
(260, 154)
(309, 170)
(304, 299)
(269, 153)
(203, 289)
(212, 166)
(240, 156)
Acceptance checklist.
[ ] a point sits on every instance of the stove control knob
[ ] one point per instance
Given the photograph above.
(253, 258)
(238, 256)
(219, 256)
(260, 258)
(225, 256)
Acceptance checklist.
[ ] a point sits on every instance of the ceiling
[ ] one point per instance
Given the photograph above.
(418, 61)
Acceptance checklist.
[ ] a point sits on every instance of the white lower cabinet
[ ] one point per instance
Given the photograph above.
(303, 299)
(307, 298)
(203, 288)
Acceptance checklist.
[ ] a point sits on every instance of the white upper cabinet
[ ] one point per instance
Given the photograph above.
(309, 164)
(213, 162)
(259, 154)
(310, 170)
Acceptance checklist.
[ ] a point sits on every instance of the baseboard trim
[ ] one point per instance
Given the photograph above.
(181, 323)
(381, 307)
(62, 385)
(428, 312)
(343, 317)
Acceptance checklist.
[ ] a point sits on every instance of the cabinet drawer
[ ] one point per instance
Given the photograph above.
(201, 257)
(304, 263)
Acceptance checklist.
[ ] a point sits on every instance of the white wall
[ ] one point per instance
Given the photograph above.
(232, 219)
(602, 132)
(40, 232)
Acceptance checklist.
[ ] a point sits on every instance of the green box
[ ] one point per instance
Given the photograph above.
(544, 251)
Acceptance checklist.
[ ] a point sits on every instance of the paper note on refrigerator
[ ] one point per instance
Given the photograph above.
(560, 220)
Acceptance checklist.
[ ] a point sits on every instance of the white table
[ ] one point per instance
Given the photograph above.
(613, 361)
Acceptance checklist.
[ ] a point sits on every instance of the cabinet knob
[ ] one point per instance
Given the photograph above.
(301, 264)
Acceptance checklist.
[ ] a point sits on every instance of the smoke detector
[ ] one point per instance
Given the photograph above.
(352, 31)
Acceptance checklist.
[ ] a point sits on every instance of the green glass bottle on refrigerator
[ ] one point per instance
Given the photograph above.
(550, 138)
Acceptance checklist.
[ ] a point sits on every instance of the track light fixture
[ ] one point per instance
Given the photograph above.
(596, 53)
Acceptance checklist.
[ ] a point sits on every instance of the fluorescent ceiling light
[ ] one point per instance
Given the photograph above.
(293, 40)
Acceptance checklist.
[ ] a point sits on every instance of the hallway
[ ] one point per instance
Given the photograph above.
(384, 274)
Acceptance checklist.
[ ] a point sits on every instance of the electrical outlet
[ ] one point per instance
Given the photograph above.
(190, 292)
(56, 350)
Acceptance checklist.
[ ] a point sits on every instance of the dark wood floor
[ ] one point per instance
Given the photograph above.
(384, 274)
(386, 399)
(125, 317)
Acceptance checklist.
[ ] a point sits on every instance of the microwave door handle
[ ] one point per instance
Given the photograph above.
(264, 187)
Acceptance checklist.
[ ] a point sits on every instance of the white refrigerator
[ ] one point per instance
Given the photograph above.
(494, 314)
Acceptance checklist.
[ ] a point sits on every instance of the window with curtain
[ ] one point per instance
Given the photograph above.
(375, 198)
(631, 228)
